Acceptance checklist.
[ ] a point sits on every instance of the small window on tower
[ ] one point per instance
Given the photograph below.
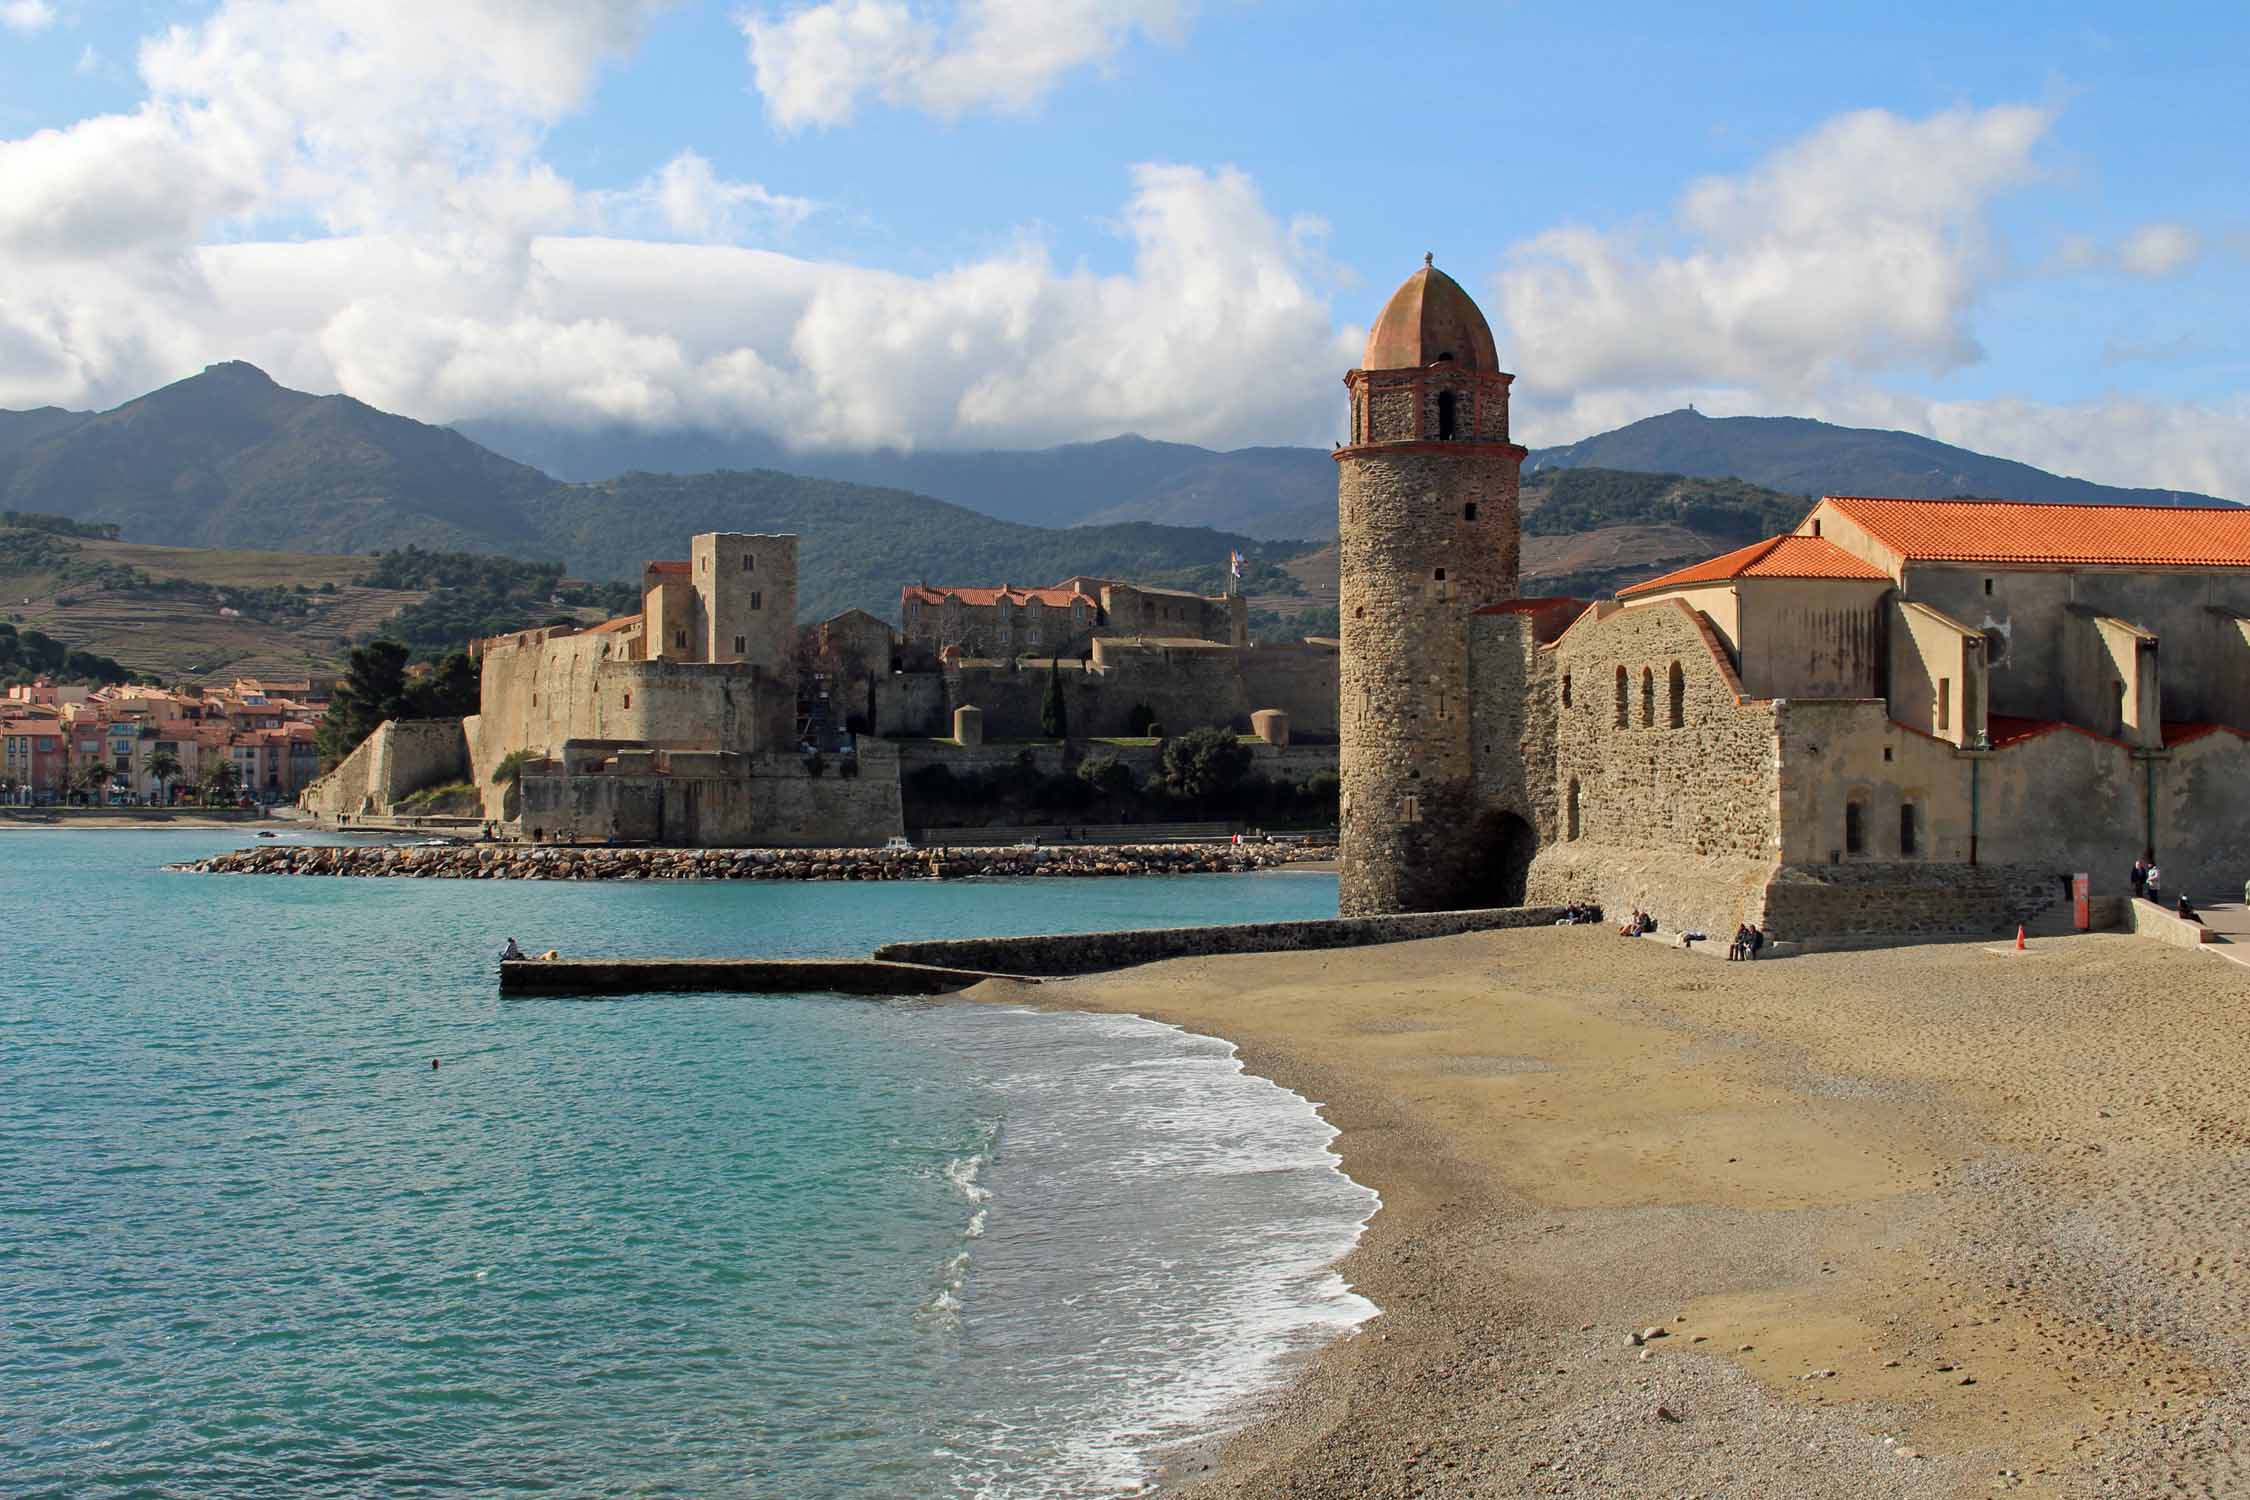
(1469, 511)
(1445, 410)
(1441, 575)
(741, 646)
(757, 600)
(679, 640)
(749, 562)
(628, 700)
(1566, 690)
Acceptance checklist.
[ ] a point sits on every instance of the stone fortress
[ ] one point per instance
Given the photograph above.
(1907, 716)
(705, 719)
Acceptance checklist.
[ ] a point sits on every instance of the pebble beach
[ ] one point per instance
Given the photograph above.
(1933, 1221)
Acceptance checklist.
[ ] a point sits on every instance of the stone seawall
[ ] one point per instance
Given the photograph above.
(1064, 954)
(501, 862)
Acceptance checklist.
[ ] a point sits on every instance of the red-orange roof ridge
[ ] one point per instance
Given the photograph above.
(1775, 557)
(2030, 531)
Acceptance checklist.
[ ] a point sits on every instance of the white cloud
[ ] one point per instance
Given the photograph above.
(1856, 253)
(1217, 331)
(1862, 246)
(815, 65)
(687, 199)
(2159, 249)
(26, 15)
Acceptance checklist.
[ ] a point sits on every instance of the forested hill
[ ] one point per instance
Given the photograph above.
(228, 458)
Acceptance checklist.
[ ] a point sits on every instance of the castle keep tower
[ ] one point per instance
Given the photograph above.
(1428, 534)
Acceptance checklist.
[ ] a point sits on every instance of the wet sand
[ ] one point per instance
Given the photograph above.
(1937, 1221)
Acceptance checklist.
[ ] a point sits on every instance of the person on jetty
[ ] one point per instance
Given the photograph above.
(511, 954)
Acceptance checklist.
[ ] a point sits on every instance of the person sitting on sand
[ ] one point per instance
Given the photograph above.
(1632, 927)
(511, 954)
(1740, 947)
(2187, 912)
(1757, 939)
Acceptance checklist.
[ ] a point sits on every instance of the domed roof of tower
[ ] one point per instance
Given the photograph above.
(1430, 319)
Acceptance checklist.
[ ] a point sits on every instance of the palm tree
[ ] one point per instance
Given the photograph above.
(223, 786)
(93, 779)
(166, 768)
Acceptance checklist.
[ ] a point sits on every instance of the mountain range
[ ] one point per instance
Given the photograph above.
(228, 458)
(1280, 493)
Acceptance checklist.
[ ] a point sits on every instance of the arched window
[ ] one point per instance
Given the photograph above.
(1621, 697)
(1855, 828)
(1445, 408)
(1566, 690)
(1648, 698)
(1571, 809)
(1679, 697)
(1909, 841)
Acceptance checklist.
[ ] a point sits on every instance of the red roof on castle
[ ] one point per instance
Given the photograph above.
(667, 567)
(1775, 557)
(2019, 531)
(1059, 598)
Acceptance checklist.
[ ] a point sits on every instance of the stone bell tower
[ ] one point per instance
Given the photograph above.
(1428, 532)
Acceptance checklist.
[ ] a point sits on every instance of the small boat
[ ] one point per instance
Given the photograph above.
(265, 833)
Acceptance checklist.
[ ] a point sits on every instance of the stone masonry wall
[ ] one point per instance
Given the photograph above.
(1705, 787)
(1414, 567)
(1095, 952)
(400, 758)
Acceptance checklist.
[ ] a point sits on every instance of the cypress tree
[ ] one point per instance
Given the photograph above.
(1054, 718)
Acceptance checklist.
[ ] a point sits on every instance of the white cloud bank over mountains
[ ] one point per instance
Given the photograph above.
(355, 198)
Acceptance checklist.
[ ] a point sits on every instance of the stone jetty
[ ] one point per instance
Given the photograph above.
(516, 862)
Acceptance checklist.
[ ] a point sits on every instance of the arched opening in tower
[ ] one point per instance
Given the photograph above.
(1445, 417)
(1505, 845)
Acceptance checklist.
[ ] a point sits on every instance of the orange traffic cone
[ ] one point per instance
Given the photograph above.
(2019, 937)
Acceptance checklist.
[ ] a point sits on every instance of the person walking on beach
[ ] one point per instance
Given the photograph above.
(2140, 877)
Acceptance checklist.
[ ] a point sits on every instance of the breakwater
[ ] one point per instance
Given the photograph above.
(511, 862)
(1069, 954)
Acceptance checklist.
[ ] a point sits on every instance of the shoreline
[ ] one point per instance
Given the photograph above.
(1916, 1222)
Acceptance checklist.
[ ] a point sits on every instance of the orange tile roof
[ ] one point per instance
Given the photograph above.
(622, 622)
(1060, 598)
(2021, 531)
(1775, 557)
(667, 567)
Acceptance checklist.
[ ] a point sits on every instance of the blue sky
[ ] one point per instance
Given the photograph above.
(1017, 222)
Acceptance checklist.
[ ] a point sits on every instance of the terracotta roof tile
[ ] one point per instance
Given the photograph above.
(666, 567)
(1775, 557)
(2019, 531)
(1059, 598)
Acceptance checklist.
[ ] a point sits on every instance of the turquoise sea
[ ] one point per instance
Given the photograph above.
(252, 1244)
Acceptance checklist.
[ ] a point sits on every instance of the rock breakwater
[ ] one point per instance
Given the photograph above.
(509, 862)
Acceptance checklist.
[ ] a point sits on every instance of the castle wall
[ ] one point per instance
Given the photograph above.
(1808, 638)
(769, 801)
(400, 758)
(1184, 685)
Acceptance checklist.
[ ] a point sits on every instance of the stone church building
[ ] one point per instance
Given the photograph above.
(1904, 716)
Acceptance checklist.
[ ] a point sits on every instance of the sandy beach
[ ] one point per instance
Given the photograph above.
(1937, 1221)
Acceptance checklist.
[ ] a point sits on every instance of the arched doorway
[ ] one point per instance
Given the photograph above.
(1505, 845)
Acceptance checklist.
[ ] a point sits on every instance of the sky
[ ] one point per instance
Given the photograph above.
(1013, 223)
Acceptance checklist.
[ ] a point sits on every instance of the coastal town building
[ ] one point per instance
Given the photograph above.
(1902, 717)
